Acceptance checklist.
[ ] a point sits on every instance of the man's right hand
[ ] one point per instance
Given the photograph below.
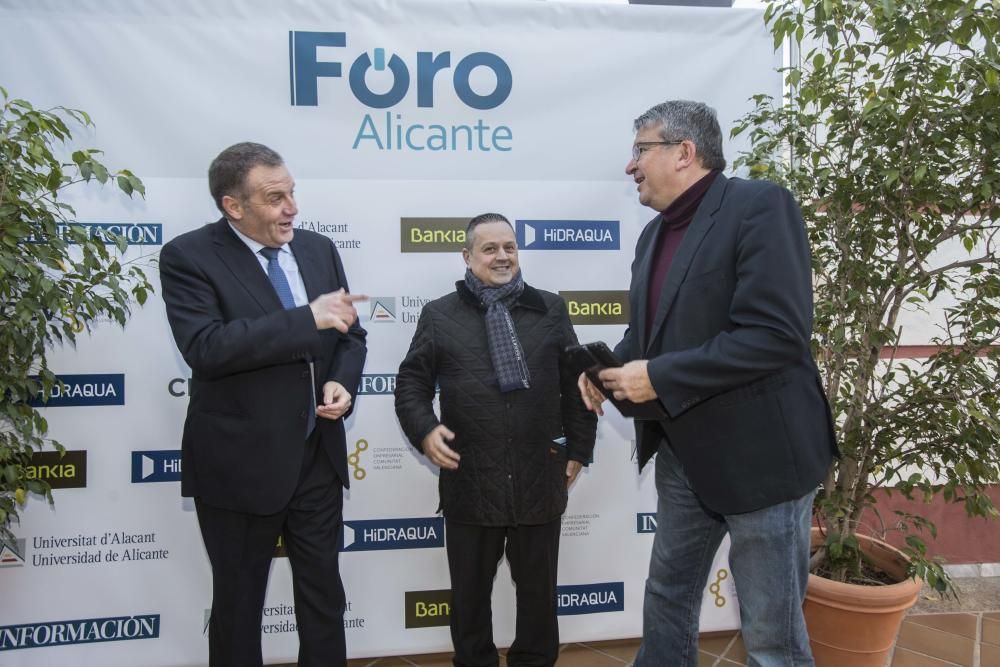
(335, 310)
(437, 451)
(591, 395)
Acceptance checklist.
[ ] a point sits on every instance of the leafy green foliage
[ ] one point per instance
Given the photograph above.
(55, 281)
(889, 137)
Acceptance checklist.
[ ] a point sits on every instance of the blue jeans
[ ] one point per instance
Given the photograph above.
(769, 558)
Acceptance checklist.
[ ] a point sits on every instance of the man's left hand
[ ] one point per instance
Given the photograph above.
(336, 401)
(572, 470)
(631, 381)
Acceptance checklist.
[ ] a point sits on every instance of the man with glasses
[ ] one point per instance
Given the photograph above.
(721, 320)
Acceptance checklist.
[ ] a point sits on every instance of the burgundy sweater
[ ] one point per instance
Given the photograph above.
(674, 222)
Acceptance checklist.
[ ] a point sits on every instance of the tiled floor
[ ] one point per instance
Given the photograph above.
(964, 639)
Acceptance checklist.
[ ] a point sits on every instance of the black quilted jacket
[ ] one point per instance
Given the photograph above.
(512, 471)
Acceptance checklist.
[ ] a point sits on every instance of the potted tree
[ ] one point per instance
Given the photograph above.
(55, 280)
(890, 138)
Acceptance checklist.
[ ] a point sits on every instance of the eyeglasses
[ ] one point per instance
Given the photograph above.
(641, 147)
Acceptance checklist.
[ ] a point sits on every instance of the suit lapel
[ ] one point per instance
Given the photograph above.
(642, 273)
(309, 266)
(700, 225)
(240, 260)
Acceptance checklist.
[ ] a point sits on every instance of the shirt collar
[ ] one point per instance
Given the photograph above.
(250, 243)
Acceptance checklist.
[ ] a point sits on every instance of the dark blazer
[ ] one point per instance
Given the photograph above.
(729, 351)
(512, 471)
(244, 435)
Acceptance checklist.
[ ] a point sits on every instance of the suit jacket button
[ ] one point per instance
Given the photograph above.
(302, 415)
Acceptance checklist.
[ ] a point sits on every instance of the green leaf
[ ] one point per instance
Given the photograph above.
(52, 289)
(100, 172)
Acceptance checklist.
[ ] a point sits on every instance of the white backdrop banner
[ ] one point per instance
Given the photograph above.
(400, 121)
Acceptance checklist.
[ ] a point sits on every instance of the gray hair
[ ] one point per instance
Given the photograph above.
(686, 120)
(227, 174)
(482, 219)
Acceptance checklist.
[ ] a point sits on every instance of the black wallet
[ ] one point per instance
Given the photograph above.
(591, 358)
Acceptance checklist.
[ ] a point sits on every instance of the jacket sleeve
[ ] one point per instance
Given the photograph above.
(348, 361)
(215, 348)
(579, 424)
(771, 310)
(624, 349)
(415, 384)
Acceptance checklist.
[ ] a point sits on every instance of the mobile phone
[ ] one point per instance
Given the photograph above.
(590, 359)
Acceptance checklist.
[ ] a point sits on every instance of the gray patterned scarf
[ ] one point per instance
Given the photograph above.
(505, 348)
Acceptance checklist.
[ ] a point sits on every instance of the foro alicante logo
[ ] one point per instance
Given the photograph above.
(384, 534)
(84, 631)
(597, 307)
(591, 598)
(423, 66)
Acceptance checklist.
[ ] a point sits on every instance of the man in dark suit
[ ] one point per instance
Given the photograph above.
(721, 319)
(261, 314)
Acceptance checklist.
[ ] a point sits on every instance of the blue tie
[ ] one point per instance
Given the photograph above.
(277, 276)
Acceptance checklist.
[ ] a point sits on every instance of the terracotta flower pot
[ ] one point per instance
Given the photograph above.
(852, 625)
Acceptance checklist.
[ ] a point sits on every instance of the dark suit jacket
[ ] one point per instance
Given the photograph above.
(729, 351)
(244, 435)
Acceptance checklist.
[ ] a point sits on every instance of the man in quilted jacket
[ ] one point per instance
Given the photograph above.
(512, 437)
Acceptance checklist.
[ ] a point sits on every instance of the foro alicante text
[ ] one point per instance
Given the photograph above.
(395, 133)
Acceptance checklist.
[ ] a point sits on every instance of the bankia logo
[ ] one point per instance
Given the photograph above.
(83, 631)
(597, 307)
(158, 465)
(13, 552)
(432, 234)
(591, 598)
(66, 470)
(568, 234)
(134, 233)
(427, 609)
(645, 522)
(385, 534)
(280, 551)
(85, 390)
